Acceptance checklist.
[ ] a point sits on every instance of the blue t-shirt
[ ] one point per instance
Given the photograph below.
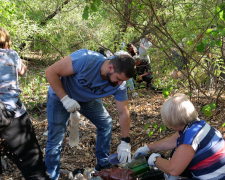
(86, 83)
(209, 146)
(10, 64)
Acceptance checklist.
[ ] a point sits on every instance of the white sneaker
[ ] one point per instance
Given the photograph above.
(134, 94)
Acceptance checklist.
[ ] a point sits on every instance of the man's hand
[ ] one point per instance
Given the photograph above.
(70, 104)
(143, 151)
(124, 153)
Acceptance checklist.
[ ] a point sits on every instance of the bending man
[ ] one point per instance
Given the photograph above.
(77, 82)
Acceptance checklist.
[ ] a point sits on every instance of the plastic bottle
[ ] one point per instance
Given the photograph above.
(140, 168)
(74, 129)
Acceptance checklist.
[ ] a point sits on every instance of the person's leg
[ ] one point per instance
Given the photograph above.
(98, 115)
(57, 122)
(21, 146)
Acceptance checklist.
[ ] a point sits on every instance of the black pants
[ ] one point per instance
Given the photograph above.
(19, 144)
(147, 78)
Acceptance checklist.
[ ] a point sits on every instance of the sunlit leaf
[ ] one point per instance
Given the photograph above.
(222, 13)
(150, 133)
(189, 43)
(208, 113)
(209, 31)
(213, 106)
(155, 125)
(223, 125)
(206, 108)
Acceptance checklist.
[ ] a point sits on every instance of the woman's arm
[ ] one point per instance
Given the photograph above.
(23, 70)
(164, 144)
(179, 162)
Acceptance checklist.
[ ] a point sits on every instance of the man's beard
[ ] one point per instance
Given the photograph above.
(114, 84)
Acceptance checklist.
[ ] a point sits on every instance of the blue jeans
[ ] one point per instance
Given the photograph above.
(57, 123)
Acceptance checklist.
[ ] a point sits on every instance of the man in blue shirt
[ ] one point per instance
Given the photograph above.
(76, 83)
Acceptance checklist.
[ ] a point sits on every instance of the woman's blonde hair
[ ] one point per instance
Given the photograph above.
(178, 111)
(5, 40)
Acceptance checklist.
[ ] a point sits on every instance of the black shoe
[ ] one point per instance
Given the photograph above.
(99, 168)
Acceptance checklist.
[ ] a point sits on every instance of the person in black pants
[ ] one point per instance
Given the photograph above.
(18, 140)
(143, 72)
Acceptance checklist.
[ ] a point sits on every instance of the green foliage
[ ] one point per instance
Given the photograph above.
(166, 91)
(207, 109)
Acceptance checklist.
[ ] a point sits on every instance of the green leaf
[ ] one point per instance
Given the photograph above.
(85, 15)
(213, 42)
(129, 6)
(213, 106)
(200, 46)
(208, 113)
(169, 88)
(209, 31)
(219, 27)
(160, 130)
(222, 32)
(206, 108)
(162, 49)
(155, 125)
(165, 92)
(163, 127)
(219, 43)
(98, 2)
(134, 3)
(189, 43)
(223, 125)
(222, 13)
(93, 7)
(215, 33)
(150, 133)
(146, 126)
(190, 94)
(169, 42)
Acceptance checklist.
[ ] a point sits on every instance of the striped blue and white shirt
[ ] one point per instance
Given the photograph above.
(209, 145)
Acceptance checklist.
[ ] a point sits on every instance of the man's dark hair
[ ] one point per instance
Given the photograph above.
(124, 64)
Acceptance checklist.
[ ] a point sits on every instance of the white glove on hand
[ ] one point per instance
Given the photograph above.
(124, 152)
(70, 104)
(142, 151)
(152, 157)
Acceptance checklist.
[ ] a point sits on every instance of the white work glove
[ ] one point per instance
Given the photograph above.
(124, 152)
(142, 151)
(152, 157)
(70, 104)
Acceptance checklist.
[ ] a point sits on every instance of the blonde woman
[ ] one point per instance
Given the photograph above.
(198, 148)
